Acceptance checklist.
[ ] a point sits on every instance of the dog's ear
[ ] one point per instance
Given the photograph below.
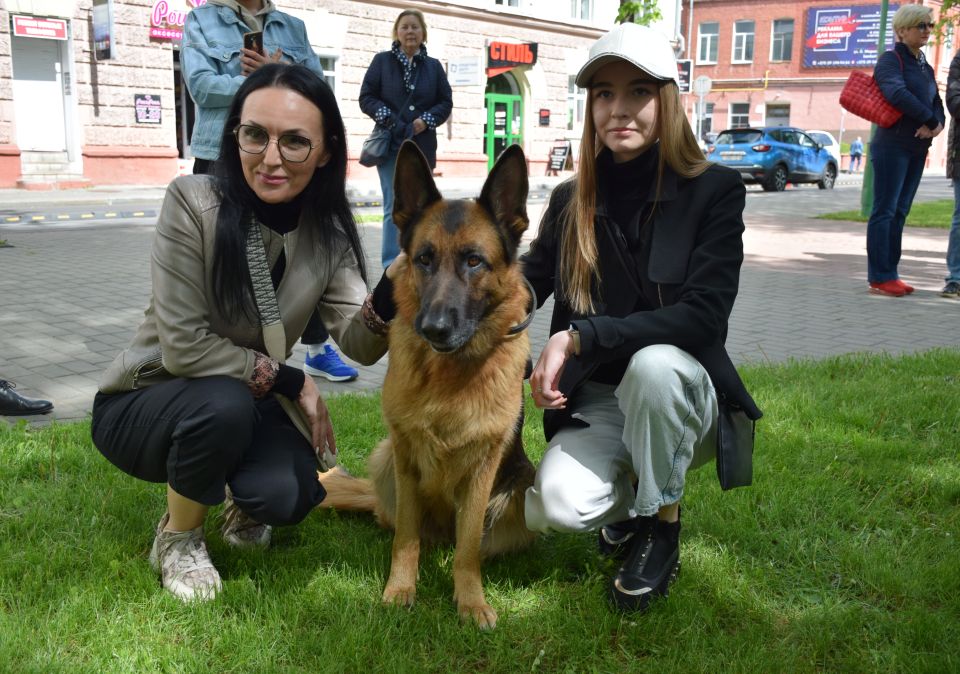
(413, 186)
(504, 193)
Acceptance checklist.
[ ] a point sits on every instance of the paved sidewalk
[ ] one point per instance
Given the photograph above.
(71, 298)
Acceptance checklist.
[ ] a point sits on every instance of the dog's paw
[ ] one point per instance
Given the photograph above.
(397, 595)
(482, 615)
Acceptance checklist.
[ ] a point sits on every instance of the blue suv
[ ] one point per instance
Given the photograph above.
(774, 156)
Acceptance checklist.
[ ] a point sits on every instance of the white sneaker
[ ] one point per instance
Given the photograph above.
(184, 565)
(240, 530)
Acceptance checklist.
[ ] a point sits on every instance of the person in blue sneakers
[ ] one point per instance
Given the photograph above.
(215, 64)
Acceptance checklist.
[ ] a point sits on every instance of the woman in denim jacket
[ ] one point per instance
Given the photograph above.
(899, 153)
(215, 63)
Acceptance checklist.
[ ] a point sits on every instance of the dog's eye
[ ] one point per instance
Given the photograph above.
(424, 260)
(474, 261)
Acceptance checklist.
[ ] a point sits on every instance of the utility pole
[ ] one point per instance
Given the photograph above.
(866, 190)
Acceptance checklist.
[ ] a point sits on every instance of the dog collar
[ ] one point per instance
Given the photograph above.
(525, 323)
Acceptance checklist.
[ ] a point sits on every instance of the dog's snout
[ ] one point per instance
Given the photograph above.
(438, 324)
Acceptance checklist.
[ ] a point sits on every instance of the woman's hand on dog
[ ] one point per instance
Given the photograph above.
(397, 266)
(315, 409)
(546, 373)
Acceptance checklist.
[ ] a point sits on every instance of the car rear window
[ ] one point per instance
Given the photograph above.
(744, 136)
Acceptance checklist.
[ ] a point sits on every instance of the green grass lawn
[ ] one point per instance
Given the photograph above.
(936, 214)
(843, 557)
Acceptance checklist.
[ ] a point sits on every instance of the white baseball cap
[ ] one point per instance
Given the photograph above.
(644, 47)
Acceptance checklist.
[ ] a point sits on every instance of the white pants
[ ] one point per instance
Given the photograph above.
(658, 423)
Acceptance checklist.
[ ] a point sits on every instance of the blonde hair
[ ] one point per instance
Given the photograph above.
(410, 12)
(909, 16)
(578, 243)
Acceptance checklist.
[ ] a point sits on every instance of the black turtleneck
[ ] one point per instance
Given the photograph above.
(626, 190)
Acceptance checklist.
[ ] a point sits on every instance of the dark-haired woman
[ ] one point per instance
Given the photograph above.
(195, 401)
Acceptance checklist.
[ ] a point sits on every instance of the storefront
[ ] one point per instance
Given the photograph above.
(97, 95)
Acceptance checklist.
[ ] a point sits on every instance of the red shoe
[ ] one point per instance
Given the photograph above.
(907, 289)
(888, 288)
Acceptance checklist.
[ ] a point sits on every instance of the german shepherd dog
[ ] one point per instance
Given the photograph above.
(453, 468)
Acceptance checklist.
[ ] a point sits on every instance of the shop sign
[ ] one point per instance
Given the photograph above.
(845, 36)
(544, 116)
(103, 42)
(684, 70)
(35, 26)
(147, 108)
(168, 17)
(504, 56)
(464, 71)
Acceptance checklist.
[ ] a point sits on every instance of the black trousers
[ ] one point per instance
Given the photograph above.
(199, 434)
(316, 331)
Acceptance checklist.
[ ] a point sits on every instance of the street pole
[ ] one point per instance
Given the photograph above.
(866, 190)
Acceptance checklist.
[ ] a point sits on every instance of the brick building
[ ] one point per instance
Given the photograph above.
(91, 93)
(780, 63)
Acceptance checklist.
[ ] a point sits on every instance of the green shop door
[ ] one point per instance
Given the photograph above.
(504, 125)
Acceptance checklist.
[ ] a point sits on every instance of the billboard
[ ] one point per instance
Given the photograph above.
(844, 36)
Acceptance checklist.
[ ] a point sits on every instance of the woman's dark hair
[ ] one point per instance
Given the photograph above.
(324, 197)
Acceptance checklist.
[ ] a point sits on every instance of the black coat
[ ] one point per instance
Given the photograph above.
(910, 86)
(693, 273)
(383, 86)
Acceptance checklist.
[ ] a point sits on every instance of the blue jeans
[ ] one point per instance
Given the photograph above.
(855, 163)
(390, 246)
(953, 245)
(896, 177)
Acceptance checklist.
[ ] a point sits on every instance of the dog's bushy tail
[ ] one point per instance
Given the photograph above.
(346, 492)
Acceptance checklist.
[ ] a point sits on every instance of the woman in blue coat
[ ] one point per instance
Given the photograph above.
(406, 91)
(898, 154)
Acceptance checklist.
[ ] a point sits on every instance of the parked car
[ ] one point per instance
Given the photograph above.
(774, 156)
(829, 143)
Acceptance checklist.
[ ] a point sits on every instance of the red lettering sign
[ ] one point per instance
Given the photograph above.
(33, 26)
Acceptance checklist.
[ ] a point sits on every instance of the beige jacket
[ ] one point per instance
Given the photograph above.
(183, 334)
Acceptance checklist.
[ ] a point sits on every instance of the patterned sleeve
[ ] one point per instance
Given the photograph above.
(264, 375)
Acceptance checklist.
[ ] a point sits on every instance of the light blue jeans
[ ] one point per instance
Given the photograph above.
(953, 244)
(658, 423)
(390, 245)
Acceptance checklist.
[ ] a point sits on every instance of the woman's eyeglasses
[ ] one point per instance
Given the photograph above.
(254, 140)
(924, 26)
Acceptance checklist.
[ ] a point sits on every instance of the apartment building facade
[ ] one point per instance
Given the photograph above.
(773, 63)
(91, 90)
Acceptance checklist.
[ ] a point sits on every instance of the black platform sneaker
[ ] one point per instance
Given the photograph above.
(614, 539)
(653, 563)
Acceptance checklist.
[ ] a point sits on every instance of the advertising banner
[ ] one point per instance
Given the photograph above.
(167, 18)
(844, 36)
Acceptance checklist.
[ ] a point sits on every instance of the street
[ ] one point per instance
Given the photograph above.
(72, 291)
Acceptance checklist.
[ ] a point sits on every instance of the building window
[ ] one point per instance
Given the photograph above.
(329, 66)
(709, 40)
(508, 3)
(739, 115)
(781, 44)
(581, 9)
(576, 104)
(742, 41)
(948, 42)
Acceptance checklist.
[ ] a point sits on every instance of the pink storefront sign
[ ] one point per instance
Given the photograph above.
(168, 17)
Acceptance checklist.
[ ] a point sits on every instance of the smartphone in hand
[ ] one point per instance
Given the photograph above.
(253, 41)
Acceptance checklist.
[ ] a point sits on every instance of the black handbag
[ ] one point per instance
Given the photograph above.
(735, 437)
(376, 148)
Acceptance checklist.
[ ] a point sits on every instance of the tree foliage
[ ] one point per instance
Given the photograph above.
(645, 12)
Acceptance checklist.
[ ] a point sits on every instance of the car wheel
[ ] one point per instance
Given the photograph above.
(777, 182)
(829, 177)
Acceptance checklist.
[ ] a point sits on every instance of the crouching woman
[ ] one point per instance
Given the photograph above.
(202, 400)
(642, 251)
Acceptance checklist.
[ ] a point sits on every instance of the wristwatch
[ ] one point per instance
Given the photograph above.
(575, 336)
